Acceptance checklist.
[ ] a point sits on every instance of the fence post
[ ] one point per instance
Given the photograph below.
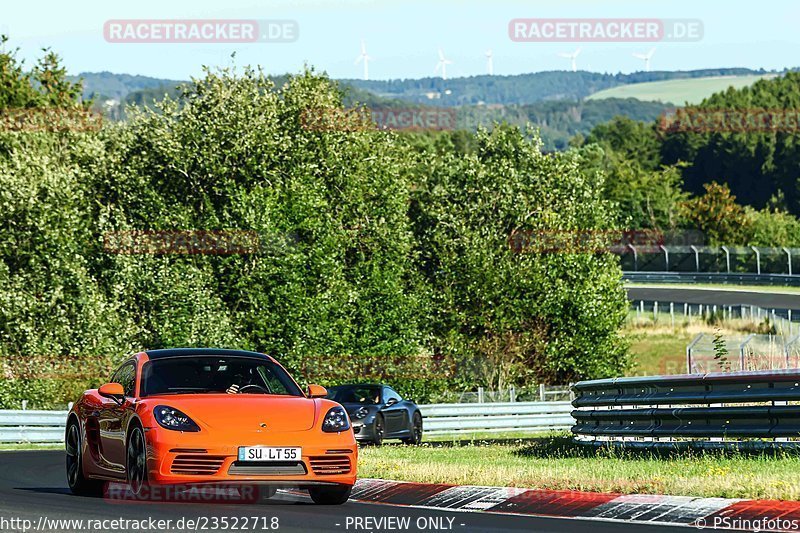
(789, 259)
(480, 394)
(542, 394)
(672, 313)
(758, 260)
(655, 311)
(727, 259)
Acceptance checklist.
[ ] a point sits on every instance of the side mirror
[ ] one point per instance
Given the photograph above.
(391, 402)
(113, 391)
(317, 391)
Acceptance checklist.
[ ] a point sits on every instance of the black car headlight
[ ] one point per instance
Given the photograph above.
(171, 418)
(336, 420)
(362, 412)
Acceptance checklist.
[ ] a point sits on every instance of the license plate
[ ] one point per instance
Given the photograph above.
(265, 453)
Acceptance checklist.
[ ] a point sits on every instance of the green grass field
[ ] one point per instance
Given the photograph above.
(554, 462)
(677, 92)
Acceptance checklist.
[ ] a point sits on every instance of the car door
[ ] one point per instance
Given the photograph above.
(113, 421)
(393, 411)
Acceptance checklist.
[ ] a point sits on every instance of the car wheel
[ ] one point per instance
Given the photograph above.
(378, 430)
(416, 430)
(78, 484)
(137, 461)
(330, 495)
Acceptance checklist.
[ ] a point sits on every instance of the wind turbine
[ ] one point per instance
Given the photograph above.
(365, 58)
(489, 62)
(646, 57)
(573, 56)
(442, 65)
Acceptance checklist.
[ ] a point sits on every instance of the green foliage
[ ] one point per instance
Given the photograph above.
(721, 351)
(368, 247)
(510, 319)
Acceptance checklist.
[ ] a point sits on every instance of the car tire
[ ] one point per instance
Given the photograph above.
(78, 483)
(136, 464)
(330, 495)
(378, 430)
(416, 430)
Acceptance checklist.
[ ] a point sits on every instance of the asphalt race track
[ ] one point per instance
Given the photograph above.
(32, 485)
(704, 296)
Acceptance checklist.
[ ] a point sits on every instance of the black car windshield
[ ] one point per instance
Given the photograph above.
(204, 375)
(363, 394)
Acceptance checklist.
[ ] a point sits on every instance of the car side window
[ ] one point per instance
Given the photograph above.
(126, 376)
(389, 393)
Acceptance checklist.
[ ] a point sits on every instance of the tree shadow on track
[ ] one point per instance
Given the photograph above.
(565, 447)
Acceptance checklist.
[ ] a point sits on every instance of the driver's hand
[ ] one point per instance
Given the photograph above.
(233, 389)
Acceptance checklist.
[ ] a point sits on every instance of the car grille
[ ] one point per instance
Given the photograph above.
(326, 465)
(197, 464)
(267, 468)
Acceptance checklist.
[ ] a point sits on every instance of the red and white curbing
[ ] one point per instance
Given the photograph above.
(710, 513)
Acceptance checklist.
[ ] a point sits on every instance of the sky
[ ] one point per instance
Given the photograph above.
(403, 37)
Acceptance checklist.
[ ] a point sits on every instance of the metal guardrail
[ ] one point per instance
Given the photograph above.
(32, 426)
(496, 417)
(48, 426)
(712, 277)
(642, 411)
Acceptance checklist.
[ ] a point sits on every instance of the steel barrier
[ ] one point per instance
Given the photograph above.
(712, 277)
(48, 426)
(667, 409)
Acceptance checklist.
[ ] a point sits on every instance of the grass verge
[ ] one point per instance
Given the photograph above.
(554, 462)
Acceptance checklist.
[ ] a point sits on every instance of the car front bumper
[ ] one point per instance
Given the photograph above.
(197, 458)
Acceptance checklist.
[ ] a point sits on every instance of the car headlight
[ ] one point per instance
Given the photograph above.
(335, 421)
(361, 413)
(171, 418)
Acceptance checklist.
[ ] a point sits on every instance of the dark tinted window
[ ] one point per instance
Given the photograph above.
(214, 374)
(126, 376)
(389, 393)
(363, 394)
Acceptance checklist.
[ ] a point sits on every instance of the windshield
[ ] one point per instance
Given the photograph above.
(203, 375)
(363, 394)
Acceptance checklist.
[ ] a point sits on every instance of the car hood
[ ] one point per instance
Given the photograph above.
(244, 412)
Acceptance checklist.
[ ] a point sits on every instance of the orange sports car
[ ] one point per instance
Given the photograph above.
(189, 416)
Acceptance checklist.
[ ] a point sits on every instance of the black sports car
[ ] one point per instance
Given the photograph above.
(378, 412)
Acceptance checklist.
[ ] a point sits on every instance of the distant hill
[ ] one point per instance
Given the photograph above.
(523, 88)
(118, 86)
(679, 91)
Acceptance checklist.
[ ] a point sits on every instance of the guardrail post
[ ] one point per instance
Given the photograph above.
(788, 259)
(685, 308)
(758, 260)
(512, 394)
(727, 258)
(480, 394)
(635, 258)
(696, 258)
(542, 394)
(689, 352)
(24, 405)
(741, 350)
(666, 257)
(69, 406)
(655, 311)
